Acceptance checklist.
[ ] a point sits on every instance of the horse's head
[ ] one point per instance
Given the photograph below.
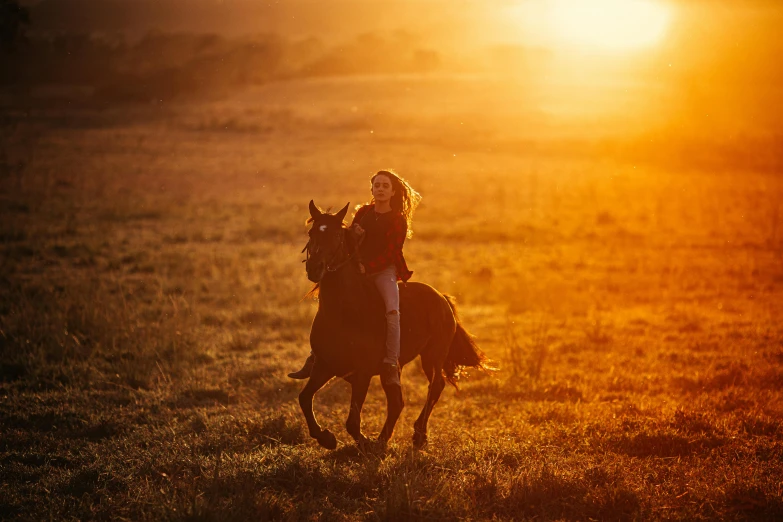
(326, 249)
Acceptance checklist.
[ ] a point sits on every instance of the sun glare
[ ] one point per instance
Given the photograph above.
(611, 25)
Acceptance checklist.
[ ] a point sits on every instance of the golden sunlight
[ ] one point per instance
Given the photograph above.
(611, 25)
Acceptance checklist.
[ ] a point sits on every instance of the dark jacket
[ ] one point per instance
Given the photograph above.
(382, 245)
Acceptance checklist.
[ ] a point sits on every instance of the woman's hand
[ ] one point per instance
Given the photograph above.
(358, 233)
(361, 268)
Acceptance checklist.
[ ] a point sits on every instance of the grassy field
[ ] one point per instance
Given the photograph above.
(151, 305)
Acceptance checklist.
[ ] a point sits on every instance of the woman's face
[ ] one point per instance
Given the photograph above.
(382, 188)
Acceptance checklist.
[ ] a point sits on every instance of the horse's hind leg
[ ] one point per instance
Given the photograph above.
(319, 376)
(394, 406)
(434, 371)
(360, 382)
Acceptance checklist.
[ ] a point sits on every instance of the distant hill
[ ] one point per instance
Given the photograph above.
(440, 20)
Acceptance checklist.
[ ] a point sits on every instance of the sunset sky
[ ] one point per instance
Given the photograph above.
(687, 31)
(713, 61)
(610, 24)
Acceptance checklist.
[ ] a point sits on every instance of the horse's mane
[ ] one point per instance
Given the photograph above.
(313, 293)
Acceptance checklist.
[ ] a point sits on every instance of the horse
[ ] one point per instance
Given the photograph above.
(349, 331)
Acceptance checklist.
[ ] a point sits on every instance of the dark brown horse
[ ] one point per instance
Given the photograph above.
(349, 329)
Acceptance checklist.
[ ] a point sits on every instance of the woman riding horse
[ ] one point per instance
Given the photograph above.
(357, 282)
(384, 224)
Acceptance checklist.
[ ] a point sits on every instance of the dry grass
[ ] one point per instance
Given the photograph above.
(150, 309)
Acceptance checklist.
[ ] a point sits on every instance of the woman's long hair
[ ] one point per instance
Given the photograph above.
(405, 198)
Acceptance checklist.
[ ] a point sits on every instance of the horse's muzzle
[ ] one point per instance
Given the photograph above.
(315, 271)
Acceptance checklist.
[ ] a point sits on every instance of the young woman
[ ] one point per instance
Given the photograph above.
(385, 223)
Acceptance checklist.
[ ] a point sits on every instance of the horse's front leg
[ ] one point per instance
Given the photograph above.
(319, 376)
(360, 383)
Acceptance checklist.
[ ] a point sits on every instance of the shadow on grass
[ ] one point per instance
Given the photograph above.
(349, 452)
(666, 444)
(688, 433)
(550, 496)
(199, 397)
(752, 503)
(68, 424)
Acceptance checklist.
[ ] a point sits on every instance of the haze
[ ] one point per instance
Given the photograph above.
(694, 63)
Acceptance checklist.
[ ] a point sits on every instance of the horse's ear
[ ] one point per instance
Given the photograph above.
(314, 212)
(341, 215)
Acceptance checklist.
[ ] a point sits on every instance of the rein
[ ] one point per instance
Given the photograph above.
(306, 250)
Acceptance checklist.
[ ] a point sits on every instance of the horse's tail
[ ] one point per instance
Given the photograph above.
(463, 351)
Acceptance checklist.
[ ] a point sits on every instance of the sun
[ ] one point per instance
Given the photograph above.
(610, 25)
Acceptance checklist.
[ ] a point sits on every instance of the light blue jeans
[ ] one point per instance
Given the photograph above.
(386, 283)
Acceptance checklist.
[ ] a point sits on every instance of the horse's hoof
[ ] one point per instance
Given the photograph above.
(419, 440)
(383, 441)
(364, 443)
(327, 440)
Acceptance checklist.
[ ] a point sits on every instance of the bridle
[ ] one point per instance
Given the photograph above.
(306, 251)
